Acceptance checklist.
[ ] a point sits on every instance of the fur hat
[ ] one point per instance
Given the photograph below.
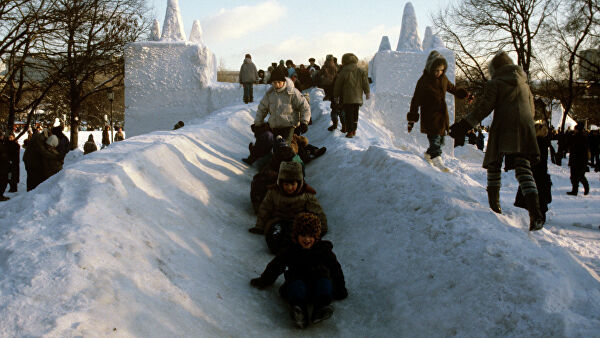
(278, 75)
(434, 60)
(289, 172)
(306, 224)
(52, 141)
(501, 59)
(248, 56)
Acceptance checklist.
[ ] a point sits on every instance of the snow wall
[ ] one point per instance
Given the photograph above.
(166, 82)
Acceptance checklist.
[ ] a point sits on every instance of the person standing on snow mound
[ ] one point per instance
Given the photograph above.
(430, 96)
(350, 84)
(248, 75)
(312, 273)
(287, 110)
(512, 136)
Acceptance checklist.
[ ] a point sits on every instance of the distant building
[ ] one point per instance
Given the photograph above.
(589, 65)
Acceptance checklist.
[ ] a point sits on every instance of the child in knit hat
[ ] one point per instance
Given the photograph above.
(313, 275)
(283, 201)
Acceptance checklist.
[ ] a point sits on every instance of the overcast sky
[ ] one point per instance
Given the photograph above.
(289, 29)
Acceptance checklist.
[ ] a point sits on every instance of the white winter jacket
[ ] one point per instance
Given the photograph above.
(286, 108)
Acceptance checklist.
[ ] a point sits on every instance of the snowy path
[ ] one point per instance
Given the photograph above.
(149, 238)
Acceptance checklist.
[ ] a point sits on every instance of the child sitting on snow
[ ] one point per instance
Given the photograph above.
(290, 196)
(282, 152)
(313, 276)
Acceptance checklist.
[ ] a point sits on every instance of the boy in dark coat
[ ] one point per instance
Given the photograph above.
(430, 96)
(512, 133)
(578, 160)
(312, 272)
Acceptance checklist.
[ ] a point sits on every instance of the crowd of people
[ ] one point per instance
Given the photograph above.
(45, 151)
(289, 214)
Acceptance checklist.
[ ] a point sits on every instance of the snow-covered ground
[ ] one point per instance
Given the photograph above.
(148, 238)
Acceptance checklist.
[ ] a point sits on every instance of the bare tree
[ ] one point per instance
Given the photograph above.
(567, 33)
(25, 82)
(477, 29)
(86, 45)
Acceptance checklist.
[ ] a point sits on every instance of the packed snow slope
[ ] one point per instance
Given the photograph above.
(148, 238)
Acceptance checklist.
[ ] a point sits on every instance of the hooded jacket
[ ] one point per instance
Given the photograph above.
(248, 72)
(351, 81)
(430, 96)
(512, 130)
(278, 206)
(286, 107)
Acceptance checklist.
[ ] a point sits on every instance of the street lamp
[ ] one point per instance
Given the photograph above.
(111, 98)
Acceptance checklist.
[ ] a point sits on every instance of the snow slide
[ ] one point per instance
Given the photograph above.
(149, 238)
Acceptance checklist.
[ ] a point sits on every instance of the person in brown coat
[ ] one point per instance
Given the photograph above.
(512, 136)
(290, 196)
(430, 96)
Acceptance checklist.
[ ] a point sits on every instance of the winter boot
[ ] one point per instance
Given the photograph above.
(319, 152)
(4, 198)
(344, 128)
(300, 316)
(536, 219)
(586, 187)
(494, 199)
(333, 127)
(322, 313)
(439, 163)
(350, 134)
(427, 157)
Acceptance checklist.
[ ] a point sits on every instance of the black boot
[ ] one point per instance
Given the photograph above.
(300, 316)
(321, 313)
(494, 199)
(536, 219)
(332, 127)
(586, 186)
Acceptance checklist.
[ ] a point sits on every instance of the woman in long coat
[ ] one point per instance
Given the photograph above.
(512, 133)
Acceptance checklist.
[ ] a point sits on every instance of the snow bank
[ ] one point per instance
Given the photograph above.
(149, 238)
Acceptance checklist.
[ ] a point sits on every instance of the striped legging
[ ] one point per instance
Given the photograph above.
(522, 173)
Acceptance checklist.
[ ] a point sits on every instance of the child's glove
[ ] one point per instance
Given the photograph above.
(259, 283)
(340, 293)
(303, 128)
(410, 126)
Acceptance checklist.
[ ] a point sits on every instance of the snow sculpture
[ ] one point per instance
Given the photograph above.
(171, 79)
(432, 41)
(385, 44)
(173, 25)
(395, 74)
(409, 36)
(155, 31)
(196, 34)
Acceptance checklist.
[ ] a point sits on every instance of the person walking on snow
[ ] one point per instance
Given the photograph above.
(350, 84)
(430, 96)
(579, 154)
(287, 110)
(248, 75)
(512, 136)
